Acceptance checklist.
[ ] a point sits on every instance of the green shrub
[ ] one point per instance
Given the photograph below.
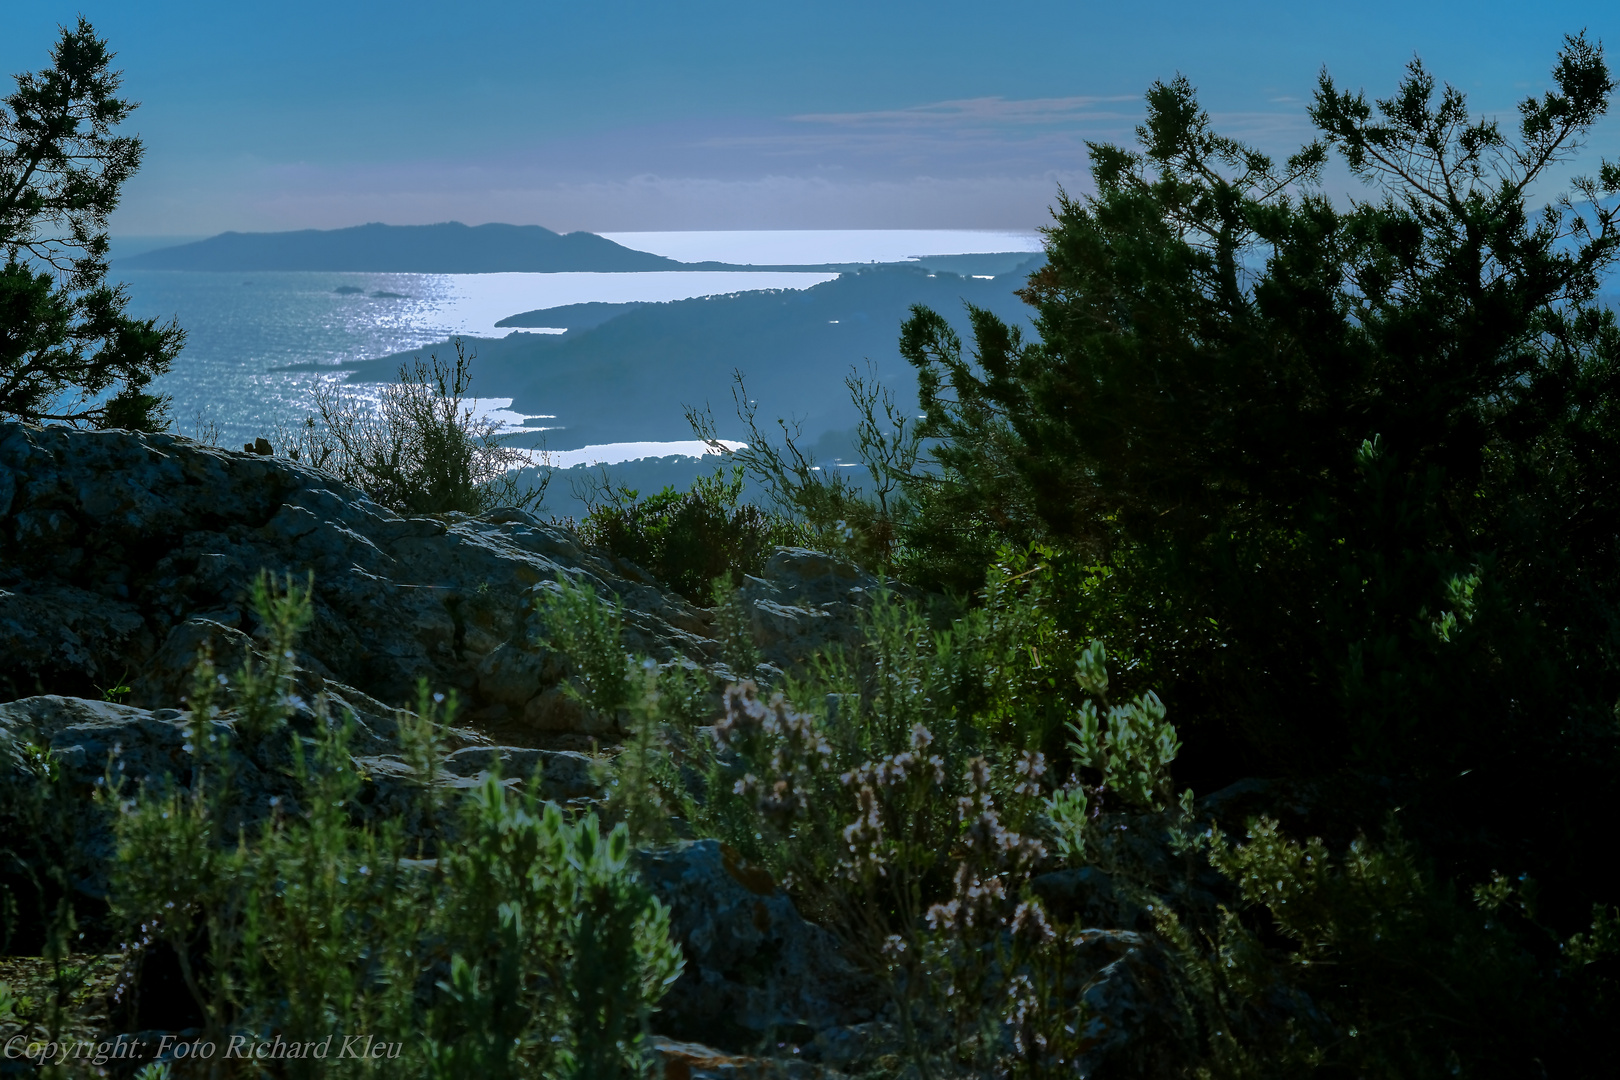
(733, 628)
(880, 789)
(587, 630)
(650, 704)
(885, 790)
(687, 539)
(420, 449)
(1403, 977)
(557, 954)
(525, 948)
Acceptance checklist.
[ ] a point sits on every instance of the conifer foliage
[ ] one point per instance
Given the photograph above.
(1350, 468)
(68, 352)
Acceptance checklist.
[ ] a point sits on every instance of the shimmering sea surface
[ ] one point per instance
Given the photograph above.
(242, 328)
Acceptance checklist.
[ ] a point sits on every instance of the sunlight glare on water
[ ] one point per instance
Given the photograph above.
(242, 327)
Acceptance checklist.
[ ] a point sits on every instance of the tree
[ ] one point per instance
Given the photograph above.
(68, 353)
(1350, 470)
(1340, 480)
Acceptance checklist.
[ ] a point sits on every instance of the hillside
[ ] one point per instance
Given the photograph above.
(627, 378)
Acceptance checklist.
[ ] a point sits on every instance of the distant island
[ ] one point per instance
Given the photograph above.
(454, 248)
(450, 248)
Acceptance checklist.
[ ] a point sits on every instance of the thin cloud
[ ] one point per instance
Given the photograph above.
(986, 110)
(834, 147)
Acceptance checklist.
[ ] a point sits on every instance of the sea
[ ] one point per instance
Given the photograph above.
(245, 330)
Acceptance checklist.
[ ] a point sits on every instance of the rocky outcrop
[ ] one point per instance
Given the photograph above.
(121, 554)
(805, 602)
(755, 970)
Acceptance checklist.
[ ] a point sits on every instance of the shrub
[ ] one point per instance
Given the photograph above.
(733, 628)
(526, 948)
(587, 630)
(421, 449)
(831, 511)
(886, 792)
(877, 788)
(687, 539)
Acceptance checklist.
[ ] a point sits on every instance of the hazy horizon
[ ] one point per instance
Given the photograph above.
(742, 246)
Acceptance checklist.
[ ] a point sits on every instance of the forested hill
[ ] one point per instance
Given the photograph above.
(450, 248)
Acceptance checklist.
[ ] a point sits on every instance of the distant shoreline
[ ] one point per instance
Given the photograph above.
(454, 248)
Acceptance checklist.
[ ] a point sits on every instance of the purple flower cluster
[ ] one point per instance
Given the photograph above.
(864, 836)
(798, 751)
(990, 853)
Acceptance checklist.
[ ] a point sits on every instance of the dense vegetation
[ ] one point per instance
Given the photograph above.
(1309, 496)
(687, 539)
(1336, 483)
(1345, 476)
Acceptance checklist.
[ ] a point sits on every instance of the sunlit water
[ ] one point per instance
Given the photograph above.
(243, 328)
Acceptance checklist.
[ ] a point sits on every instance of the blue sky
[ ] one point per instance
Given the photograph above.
(634, 116)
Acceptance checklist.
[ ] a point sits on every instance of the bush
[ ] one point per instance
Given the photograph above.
(886, 792)
(525, 948)
(687, 539)
(421, 450)
(587, 630)
(657, 708)
(883, 791)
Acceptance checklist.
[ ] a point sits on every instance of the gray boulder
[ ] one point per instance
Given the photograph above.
(755, 970)
(805, 602)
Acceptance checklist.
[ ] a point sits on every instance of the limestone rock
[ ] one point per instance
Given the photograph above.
(93, 742)
(806, 601)
(122, 553)
(754, 967)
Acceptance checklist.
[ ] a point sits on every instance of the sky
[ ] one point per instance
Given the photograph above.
(713, 114)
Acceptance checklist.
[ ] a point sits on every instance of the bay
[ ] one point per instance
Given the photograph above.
(245, 329)
(242, 330)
